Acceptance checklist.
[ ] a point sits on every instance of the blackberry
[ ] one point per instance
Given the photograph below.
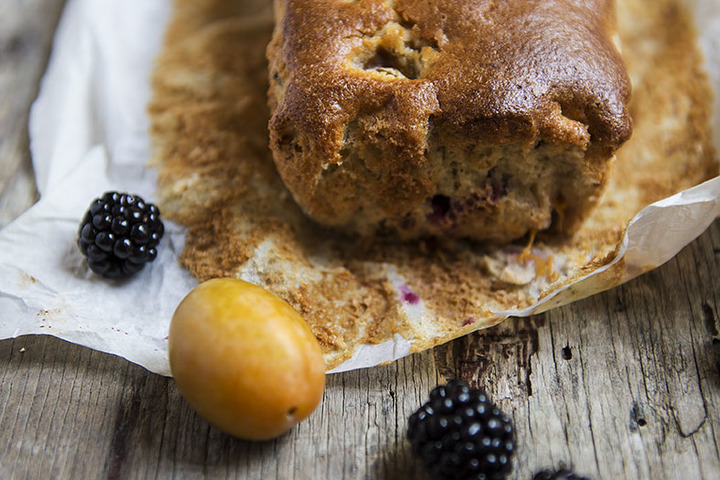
(119, 234)
(461, 435)
(562, 474)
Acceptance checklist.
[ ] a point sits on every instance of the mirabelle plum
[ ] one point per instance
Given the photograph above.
(244, 359)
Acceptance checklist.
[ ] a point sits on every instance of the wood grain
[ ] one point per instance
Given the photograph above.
(625, 384)
(621, 385)
(26, 29)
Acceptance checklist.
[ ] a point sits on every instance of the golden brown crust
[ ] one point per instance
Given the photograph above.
(397, 81)
(500, 70)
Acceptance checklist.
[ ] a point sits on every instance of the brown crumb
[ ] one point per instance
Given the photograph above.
(209, 127)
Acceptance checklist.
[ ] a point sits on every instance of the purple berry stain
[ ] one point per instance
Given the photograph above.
(408, 296)
(440, 205)
(468, 321)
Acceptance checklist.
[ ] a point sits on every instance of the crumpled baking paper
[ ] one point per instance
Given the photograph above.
(88, 131)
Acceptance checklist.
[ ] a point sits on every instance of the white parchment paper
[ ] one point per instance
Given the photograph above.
(88, 131)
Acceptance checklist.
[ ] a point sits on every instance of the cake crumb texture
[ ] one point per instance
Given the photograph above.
(216, 176)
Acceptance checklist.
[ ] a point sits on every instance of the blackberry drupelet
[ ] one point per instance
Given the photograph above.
(461, 435)
(119, 234)
(562, 474)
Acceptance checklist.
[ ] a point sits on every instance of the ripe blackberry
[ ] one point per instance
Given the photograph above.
(119, 233)
(461, 435)
(562, 474)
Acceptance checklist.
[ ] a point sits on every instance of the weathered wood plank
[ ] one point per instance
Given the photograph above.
(94, 415)
(26, 29)
(624, 384)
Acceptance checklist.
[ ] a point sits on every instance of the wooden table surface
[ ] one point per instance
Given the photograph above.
(625, 384)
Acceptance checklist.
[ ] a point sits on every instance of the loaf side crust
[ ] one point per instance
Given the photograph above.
(475, 119)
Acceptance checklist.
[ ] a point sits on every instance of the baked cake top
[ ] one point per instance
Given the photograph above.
(495, 71)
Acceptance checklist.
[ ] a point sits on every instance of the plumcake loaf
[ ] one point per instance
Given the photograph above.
(477, 119)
